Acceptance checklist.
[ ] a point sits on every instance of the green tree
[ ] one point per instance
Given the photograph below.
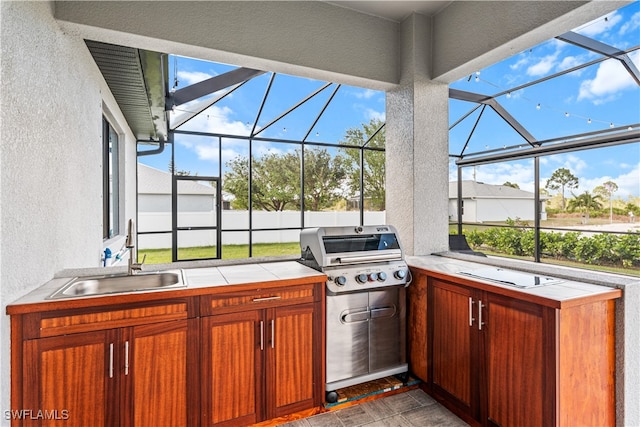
(236, 182)
(606, 190)
(562, 179)
(173, 170)
(275, 182)
(633, 208)
(511, 184)
(585, 202)
(323, 175)
(373, 170)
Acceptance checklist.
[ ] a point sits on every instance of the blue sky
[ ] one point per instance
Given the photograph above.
(590, 99)
(587, 100)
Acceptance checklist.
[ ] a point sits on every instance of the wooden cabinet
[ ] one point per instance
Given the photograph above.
(68, 377)
(510, 359)
(451, 362)
(262, 357)
(221, 355)
(130, 376)
(157, 377)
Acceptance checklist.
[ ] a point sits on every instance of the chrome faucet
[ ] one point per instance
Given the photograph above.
(134, 266)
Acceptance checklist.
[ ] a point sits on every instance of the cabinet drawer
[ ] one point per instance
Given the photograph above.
(49, 324)
(256, 298)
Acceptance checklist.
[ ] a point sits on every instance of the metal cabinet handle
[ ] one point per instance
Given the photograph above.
(480, 322)
(126, 357)
(379, 312)
(111, 360)
(261, 335)
(267, 298)
(471, 319)
(273, 336)
(355, 317)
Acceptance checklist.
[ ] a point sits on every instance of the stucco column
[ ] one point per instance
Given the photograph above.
(417, 146)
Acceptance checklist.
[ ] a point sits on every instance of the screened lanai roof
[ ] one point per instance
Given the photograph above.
(550, 96)
(580, 89)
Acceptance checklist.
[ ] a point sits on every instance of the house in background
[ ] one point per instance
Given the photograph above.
(493, 203)
(196, 207)
(154, 193)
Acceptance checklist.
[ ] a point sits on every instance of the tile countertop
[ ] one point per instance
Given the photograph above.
(200, 281)
(575, 286)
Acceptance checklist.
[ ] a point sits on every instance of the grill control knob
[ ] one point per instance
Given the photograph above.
(373, 277)
(400, 274)
(382, 276)
(341, 280)
(362, 278)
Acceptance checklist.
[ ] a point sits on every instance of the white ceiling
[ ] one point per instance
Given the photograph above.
(394, 10)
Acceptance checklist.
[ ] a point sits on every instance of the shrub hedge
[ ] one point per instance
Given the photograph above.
(621, 250)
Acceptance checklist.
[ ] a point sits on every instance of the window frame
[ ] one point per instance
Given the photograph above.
(110, 181)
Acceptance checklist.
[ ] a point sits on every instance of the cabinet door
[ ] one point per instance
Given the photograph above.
(514, 342)
(232, 348)
(451, 348)
(69, 380)
(292, 354)
(155, 365)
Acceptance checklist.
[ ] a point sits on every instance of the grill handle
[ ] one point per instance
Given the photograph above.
(367, 258)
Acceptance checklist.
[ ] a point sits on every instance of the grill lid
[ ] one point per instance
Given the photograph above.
(332, 246)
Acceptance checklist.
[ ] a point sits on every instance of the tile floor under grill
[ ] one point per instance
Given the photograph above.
(413, 408)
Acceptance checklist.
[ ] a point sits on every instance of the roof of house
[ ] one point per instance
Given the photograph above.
(480, 190)
(155, 181)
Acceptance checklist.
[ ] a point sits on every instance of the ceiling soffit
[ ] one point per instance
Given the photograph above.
(137, 79)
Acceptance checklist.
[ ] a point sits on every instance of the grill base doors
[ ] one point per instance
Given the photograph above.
(365, 336)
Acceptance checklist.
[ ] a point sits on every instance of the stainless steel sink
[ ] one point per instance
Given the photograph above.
(100, 285)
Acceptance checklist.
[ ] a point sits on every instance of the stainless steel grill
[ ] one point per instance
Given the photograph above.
(365, 303)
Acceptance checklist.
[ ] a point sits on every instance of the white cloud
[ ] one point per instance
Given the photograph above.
(187, 78)
(628, 183)
(574, 163)
(633, 24)
(611, 78)
(371, 114)
(628, 180)
(213, 120)
(600, 25)
(569, 62)
(544, 65)
(498, 174)
(524, 60)
(366, 94)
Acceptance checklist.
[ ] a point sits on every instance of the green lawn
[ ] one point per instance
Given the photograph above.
(163, 256)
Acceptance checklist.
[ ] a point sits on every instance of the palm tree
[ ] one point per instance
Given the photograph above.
(585, 202)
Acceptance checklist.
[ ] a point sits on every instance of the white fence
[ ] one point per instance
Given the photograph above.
(233, 220)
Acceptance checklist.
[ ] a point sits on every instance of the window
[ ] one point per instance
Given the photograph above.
(110, 181)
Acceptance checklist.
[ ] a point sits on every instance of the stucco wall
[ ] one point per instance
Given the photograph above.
(50, 157)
